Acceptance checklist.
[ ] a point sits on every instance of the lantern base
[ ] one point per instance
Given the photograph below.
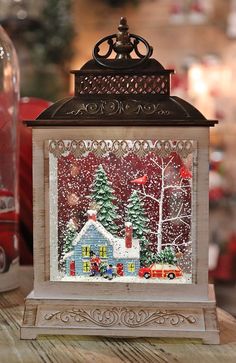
(174, 319)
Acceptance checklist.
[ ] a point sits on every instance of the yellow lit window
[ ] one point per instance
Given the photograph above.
(86, 251)
(131, 267)
(103, 251)
(86, 266)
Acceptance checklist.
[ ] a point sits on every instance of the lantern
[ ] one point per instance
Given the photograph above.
(121, 205)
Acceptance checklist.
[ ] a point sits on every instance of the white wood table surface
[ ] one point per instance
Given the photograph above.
(66, 349)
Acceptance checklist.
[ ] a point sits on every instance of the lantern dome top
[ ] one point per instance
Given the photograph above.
(122, 90)
(123, 46)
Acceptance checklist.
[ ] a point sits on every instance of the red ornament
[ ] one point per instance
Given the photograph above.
(179, 254)
(216, 193)
(185, 173)
(175, 8)
(74, 170)
(72, 199)
(197, 7)
(140, 181)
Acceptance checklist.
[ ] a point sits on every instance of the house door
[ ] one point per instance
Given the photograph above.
(72, 268)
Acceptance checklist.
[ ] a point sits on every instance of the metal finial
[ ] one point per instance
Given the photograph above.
(123, 47)
(123, 26)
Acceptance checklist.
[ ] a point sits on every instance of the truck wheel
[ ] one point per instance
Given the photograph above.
(147, 275)
(4, 264)
(171, 276)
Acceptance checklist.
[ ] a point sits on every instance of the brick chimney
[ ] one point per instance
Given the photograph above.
(92, 215)
(128, 234)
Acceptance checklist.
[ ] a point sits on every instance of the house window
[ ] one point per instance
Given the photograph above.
(131, 267)
(86, 266)
(86, 251)
(103, 251)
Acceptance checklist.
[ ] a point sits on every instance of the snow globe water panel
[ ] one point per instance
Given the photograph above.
(121, 210)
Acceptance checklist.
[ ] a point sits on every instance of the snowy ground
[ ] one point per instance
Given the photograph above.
(186, 279)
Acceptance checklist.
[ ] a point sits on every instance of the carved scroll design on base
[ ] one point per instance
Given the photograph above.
(121, 317)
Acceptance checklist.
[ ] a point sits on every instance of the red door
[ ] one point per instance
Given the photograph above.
(72, 268)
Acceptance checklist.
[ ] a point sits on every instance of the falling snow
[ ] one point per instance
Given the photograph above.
(166, 195)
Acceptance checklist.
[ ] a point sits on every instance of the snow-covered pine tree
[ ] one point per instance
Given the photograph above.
(167, 255)
(103, 195)
(136, 215)
(69, 235)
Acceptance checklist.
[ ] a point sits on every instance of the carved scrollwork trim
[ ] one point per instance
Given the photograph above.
(118, 107)
(162, 148)
(121, 317)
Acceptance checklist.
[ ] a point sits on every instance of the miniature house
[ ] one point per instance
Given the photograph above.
(121, 205)
(94, 239)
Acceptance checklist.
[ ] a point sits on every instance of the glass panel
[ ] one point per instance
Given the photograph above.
(126, 201)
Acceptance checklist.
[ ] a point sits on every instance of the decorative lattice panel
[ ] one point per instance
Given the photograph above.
(123, 84)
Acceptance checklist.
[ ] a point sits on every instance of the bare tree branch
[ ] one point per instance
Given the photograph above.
(156, 163)
(185, 222)
(180, 209)
(177, 238)
(149, 196)
(180, 216)
(168, 162)
(177, 217)
(178, 187)
(177, 244)
(155, 233)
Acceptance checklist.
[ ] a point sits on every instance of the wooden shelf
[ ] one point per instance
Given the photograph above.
(94, 349)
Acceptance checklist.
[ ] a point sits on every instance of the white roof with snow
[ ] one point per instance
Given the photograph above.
(68, 254)
(119, 248)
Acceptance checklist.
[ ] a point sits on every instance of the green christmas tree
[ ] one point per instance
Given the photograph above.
(166, 256)
(103, 196)
(69, 235)
(136, 215)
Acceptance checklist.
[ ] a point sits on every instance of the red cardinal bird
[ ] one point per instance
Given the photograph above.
(185, 173)
(140, 181)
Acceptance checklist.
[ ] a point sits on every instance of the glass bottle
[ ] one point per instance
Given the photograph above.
(9, 206)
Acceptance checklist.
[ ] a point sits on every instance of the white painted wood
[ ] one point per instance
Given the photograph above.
(112, 318)
(52, 222)
(49, 295)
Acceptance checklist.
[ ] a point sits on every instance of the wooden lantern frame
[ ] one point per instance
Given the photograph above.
(118, 308)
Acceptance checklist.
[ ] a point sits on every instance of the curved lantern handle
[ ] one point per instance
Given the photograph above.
(123, 44)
